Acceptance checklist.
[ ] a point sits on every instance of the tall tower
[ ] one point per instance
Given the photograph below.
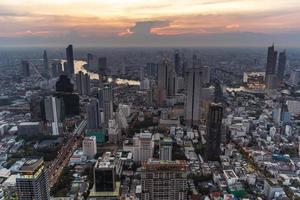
(213, 133)
(271, 67)
(46, 63)
(93, 114)
(25, 68)
(70, 59)
(177, 63)
(166, 81)
(33, 181)
(105, 97)
(192, 104)
(83, 83)
(281, 66)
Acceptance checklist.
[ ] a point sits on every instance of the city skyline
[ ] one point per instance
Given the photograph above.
(151, 23)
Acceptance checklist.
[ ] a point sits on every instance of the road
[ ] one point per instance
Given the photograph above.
(65, 153)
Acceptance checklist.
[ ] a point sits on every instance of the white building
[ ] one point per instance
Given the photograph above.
(114, 132)
(142, 147)
(89, 146)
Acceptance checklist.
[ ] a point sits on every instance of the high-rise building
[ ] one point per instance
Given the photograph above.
(114, 132)
(83, 83)
(89, 146)
(70, 60)
(166, 82)
(281, 66)
(213, 133)
(143, 147)
(151, 69)
(105, 175)
(164, 180)
(54, 69)
(105, 96)
(32, 183)
(93, 114)
(177, 63)
(295, 77)
(60, 68)
(25, 68)
(165, 149)
(54, 114)
(271, 78)
(64, 90)
(45, 62)
(192, 103)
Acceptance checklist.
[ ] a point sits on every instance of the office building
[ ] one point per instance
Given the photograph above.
(45, 62)
(54, 69)
(70, 60)
(93, 114)
(271, 77)
(25, 68)
(177, 63)
(54, 114)
(164, 180)
(32, 183)
(114, 132)
(143, 147)
(105, 96)
(281, 66)
(29, 128)
(295, 77)
(83, 83)
(213, 133)
(151, 69)
(165, 149)
(64, 90)
(89, 146)
(105, 178)
(192, 103)
(166, 81)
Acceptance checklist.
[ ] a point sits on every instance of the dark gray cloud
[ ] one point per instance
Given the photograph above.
(144, 27)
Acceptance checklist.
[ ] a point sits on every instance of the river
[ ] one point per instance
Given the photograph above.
(79, 67)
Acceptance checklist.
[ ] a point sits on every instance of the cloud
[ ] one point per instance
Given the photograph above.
(145, 28)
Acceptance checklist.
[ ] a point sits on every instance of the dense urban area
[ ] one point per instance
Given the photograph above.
(150, 123)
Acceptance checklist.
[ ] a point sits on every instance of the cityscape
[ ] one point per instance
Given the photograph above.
(149, 114)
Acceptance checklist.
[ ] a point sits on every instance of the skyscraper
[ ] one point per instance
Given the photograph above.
(177, 63)
(54, 69)
(192, 103)
(54, 113)
(105, 96)
(164, 180)
(33, 181)
(166, 82)
(70, 60)
(64, 90)
(271, 67)
(281, 66)
(83, 83)
(93, 114)
(25, 68)
(213, 133)
(45, 62)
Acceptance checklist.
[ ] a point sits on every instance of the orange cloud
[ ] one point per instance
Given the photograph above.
(232, 26)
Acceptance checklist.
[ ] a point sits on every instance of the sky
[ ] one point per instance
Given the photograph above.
(150, 22)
